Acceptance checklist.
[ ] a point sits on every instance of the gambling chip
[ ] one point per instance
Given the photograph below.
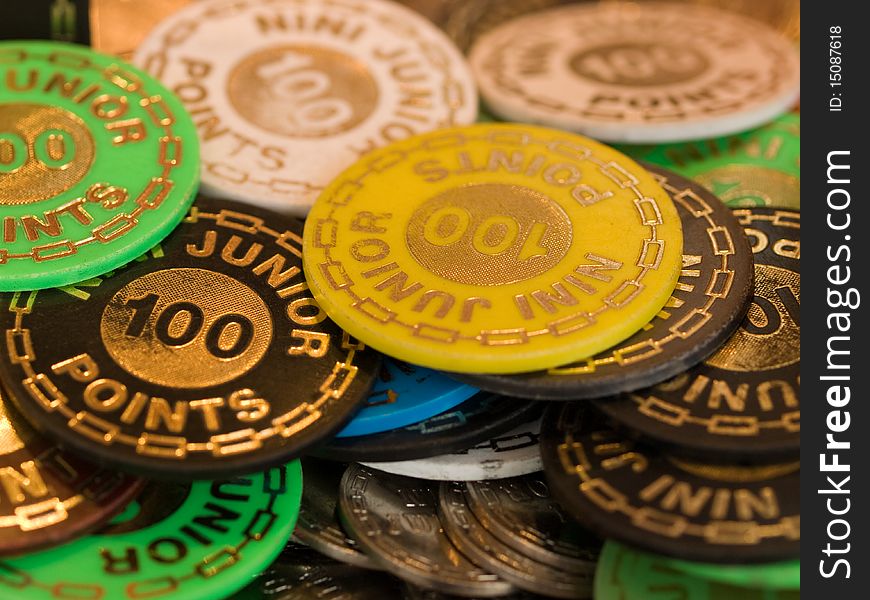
(638, 494)
(98, 162)
(50, 496)
(707, 305)
(285, 94)
(743, 401)
(404, 394)
(206, 358)
(784, 575)
(184, 541)
(637, 72)
(628, 574)
(761, 167)
(510, 454)
(514, 248)
(480, 418)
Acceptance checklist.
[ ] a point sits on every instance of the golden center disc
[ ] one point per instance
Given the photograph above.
(493, 248)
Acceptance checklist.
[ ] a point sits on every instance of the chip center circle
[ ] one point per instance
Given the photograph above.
(302, 91)
(186, 328)
(769, 337)
(639, 63)
(489, 234)
(44, 151)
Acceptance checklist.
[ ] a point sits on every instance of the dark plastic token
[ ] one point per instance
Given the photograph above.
(743, 402)
(706, 307)
(718, 513)
(177, 541)
(209, 357)
(49, 496)
(479, 418)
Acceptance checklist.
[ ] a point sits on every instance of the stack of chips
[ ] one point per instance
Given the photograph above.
(351, 306)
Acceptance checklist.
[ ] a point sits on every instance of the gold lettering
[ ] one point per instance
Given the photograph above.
(209, 407)
(29, 479)
(95, 398)
(80, 368)
(314, 344)
(228, 253)
(248, 406)
(159, 413)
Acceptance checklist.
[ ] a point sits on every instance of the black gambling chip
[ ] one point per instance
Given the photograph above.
(706, 307)
(207, 358)
(676, 507)
(481, 417)
(742, 402)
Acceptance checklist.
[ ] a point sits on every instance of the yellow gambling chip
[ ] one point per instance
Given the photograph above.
(494, 248)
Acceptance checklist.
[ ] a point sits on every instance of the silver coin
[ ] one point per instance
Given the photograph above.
(520, 512)
(412, 592)
(473, 540)
(395, 520)
(318, 525)
(301, 573)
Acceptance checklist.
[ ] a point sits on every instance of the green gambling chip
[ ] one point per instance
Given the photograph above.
(624, 573)
(760, 167)
(185, 541)
(98, 163)
(784, 575)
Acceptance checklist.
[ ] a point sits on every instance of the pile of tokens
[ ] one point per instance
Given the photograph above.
(325, 299)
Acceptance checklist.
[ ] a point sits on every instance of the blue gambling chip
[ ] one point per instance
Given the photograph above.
(404, 394)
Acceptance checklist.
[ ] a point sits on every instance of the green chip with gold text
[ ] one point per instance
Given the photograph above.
(98, 162)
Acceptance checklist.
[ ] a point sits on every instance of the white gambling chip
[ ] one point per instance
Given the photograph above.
(511, 454)
(286, 94)
(647, 72)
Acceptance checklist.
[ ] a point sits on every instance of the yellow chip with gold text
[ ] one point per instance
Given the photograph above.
(493, 248)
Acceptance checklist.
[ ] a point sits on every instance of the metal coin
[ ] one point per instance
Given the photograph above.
(743, 401)
(510, 454)
(701, 511)
(706, 307)
(412, 592)
(300, 573)
(521, 513)
(628, 574)
(475, 542)
(395, 520)
(479, 418)
(208, 357)
(50, 496)
(318, 525)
